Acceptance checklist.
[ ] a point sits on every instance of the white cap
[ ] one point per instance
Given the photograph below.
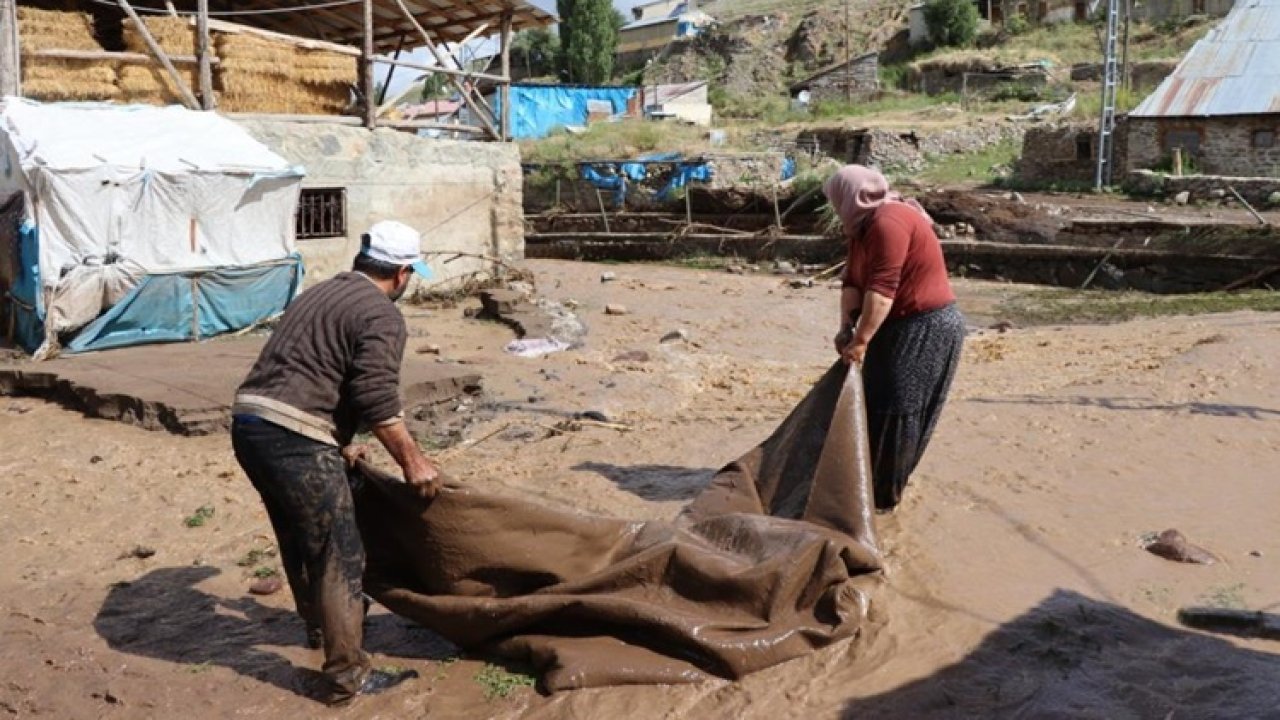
(395, 243)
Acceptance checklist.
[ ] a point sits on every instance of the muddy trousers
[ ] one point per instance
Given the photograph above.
(907, 374)
(304, 487)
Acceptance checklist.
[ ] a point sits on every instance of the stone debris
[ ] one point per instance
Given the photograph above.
(613, 309)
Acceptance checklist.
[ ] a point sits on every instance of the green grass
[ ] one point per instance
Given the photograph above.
(202, 515)
(498, 682)
(255, 556)
(263, 573)
(985, 166)
(607, 141)
(893, 103)
(1059, 306)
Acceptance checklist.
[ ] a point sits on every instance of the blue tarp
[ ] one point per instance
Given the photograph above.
(193, 306)
(25, 292)
(536, 110)
(615, 176)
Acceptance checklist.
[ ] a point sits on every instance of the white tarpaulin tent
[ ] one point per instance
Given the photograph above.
(128, 205)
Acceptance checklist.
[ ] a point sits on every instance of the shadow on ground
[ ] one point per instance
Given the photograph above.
(654, 482)
(1075, 657)
(1195, 408)
(163, 615)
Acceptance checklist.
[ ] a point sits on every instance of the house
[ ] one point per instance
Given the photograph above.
(857, 79)
(686, 102)
(1154, 11)
(657, 25)
(1221, 106)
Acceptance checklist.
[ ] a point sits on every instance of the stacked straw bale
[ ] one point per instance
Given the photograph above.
(58, 79)
(269, 76)
(150, 83)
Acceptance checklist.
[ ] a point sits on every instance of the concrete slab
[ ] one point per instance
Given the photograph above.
(187, 388)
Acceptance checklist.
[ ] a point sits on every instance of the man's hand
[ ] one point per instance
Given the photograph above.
(424, 477)
(355, 453)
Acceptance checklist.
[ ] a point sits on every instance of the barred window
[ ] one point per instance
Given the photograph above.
(1264, 138)
(322, 213)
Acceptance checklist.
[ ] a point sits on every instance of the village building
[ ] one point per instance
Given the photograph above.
(299, 83)
(856, 79)
(656, 25)
(1221, 107)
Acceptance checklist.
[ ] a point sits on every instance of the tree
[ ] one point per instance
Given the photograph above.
(588, 40)
(951, 23)
(537, 48)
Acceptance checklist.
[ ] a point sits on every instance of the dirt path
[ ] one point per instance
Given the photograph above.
(1017, 584)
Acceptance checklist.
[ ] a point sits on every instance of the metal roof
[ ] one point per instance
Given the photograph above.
(1234, 70)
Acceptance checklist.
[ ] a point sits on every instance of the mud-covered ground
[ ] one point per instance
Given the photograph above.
(1017, 582)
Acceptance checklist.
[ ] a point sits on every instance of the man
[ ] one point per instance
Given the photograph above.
(332, 367)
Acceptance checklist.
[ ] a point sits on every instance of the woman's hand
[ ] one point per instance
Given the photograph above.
(854, 352)
(842, 339)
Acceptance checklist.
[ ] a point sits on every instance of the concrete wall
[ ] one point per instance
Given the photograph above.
(462, 196)
(1226, 144)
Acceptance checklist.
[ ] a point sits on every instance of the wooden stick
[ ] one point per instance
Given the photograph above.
(1250, 279)
(831, 270)
(437, 69)
(10, 57)
(187, 98)
(603, 215)
(464, 90)
(1261, 220)
(366, 69)
(1101, 262)
(124, 57)
(505, 88)
(223, 26)
(207, 101)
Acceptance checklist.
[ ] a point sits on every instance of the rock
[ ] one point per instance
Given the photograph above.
(1017, 197)
(1255, 553)
(1217, 193)
(1173, 545)
(735, 270)
(782, 267)
(141, 552)
(95, 459)
(1003, 326)
(595, 415)
(1274, 199)
(431, 349)
(799, 283)
(267, 585)
(632, 356)
(679, 334)
(609, 276)
(1182, 198)
(615, 310)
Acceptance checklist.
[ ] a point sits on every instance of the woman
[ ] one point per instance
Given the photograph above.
(898, 321)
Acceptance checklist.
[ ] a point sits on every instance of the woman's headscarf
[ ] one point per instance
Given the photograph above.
(856, 192)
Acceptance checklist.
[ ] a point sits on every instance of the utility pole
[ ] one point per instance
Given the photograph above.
(1107, 122)
(848, 59)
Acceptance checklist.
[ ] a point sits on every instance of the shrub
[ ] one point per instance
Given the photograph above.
(951, 23)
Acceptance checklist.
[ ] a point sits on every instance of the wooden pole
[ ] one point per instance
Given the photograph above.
(10, 72)
(188, 98)
(1261, 220)
(462, 89)
(207, 101)
(366, 69)
(505, 88)
(124, 57)
(386, 84)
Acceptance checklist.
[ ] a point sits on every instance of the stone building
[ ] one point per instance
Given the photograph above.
(1066, 153)
(857, 79)
(1221, 106)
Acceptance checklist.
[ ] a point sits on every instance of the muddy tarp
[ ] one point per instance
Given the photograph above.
(776, 558)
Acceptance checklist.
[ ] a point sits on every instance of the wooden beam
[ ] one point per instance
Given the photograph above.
(464, 91)
(10, 58)
(505, 87)
(223, 26)
(308, 119)
(366, 69)
(440, 69)
(386, 84)
(432, 125)
(124, 57)
(187, 98)
(207, 101)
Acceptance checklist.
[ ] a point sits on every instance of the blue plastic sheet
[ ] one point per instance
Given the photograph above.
(537, 110)
(29, 306)
(193, 306)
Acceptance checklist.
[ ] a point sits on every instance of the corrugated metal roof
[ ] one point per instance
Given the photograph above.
(1234, 70)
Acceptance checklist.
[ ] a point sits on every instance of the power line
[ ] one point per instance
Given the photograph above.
(241, 13)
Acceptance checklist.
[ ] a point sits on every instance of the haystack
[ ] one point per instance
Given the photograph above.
(319, 67)
(53, 30)
(175, 35)
(268, 76)
(58, 80)
(150, 84)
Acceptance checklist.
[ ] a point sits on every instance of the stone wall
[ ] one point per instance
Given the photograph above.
(1158, 10)
(862, 78)
(1260, 192)
(1226, 144)
(462, 196)
(1143, 74)
(1068, 153)
(902, 151)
